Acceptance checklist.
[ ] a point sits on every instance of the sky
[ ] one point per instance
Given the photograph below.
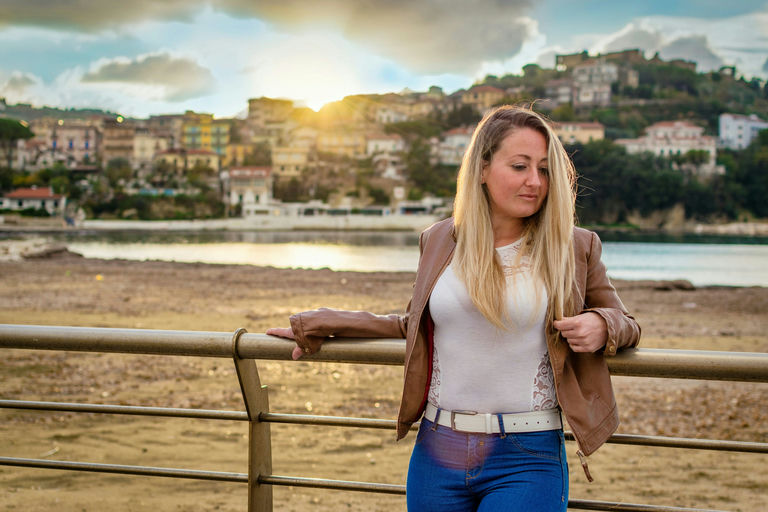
(144, 57)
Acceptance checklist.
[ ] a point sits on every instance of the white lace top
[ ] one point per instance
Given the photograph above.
(477, 367)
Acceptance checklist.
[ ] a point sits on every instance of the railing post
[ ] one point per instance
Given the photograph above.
(259, 441)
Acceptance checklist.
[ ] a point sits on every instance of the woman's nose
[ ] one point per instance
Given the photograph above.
(533, 179)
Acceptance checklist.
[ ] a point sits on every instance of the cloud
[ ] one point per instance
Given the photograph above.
(634, 36)
(179, 78)
(90, 16)
(19, 82)
(429, 36)
(711, 43)
(695, 48)
(765, 66)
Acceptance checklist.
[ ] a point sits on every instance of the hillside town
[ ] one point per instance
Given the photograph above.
(376, 154)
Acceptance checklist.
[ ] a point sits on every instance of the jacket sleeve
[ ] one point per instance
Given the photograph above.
(601, 298)
(311, 328)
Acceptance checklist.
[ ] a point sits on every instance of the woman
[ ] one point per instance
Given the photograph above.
(510, 319)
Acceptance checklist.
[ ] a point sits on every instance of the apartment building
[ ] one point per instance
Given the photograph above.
(737, 131)
(202, 131)
(182, 160)
(672, 138)
(71, 142)
(349, 143)
(383, 143)
(571, 133)
(118, 136)
(168, 127)
(290, 160)
(250, 187)
(454, 143)
(482, 97)
(592, 82)
(262, 111)
(145, 146)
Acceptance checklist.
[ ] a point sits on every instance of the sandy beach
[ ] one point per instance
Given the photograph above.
(63, 289)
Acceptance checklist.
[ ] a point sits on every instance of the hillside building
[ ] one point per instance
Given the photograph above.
(737, 131)
(249, 187)
(571, 133)
(672, 138)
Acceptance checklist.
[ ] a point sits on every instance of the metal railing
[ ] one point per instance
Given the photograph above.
(244, 348)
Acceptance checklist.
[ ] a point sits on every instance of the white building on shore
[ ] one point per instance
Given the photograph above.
(672, 138)
(737, 131)
(34, 198)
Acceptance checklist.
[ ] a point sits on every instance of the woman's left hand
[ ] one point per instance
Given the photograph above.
(586, 332)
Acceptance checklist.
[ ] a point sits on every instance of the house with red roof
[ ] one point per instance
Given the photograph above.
(35, 198)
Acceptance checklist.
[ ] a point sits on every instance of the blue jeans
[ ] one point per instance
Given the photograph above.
(457, 471)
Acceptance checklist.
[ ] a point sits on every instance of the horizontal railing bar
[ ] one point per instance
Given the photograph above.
(374, 423)
(612, 506)
(664, 363)
(206, 414)
(332, 421)
(193, 474)
(345, 485)
(341, 485)
(318, 483)
(690, 443)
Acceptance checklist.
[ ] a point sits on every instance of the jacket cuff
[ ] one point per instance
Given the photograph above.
(611, 344)
(309, 344)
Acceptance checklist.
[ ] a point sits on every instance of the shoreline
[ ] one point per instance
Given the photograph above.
(408, 223)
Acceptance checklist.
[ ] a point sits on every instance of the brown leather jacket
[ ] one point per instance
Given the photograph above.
(582, 380)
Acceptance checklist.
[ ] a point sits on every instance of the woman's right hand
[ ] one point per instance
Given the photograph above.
(286, 332)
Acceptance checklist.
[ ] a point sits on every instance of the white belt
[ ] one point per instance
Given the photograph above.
(470, 421)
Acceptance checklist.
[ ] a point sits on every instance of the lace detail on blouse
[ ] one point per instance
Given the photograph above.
(544, 396)
(434, 385)
(511, 261)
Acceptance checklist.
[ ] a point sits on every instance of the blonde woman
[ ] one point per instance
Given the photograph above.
(510, 321)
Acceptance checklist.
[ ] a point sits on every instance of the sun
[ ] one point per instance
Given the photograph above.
(312, 70)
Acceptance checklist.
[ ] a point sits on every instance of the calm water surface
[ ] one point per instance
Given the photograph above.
(701, 260)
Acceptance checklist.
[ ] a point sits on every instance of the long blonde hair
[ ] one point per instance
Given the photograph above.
(548, 233)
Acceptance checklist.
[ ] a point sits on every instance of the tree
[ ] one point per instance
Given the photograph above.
(12, 131)
(118, 169)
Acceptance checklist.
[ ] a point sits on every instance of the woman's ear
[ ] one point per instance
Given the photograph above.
(482, 173)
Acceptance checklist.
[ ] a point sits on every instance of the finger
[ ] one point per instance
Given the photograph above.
(297, 353)
(567, 322)
(283, 332)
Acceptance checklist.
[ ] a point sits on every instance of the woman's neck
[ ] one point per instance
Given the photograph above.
(507, 232)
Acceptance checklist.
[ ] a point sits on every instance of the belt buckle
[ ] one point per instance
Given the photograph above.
(453, 417)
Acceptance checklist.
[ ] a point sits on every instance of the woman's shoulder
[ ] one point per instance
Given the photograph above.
(440, 229)
(585, 241)
(582, 234)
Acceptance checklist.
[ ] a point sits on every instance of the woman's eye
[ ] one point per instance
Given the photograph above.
(544, 170)
(519, 167)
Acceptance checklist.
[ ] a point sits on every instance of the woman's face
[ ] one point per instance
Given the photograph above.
(517, 177)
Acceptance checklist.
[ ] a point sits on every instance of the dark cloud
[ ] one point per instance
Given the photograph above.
(182, 78)
(695, 48)
(88, 16)
(433, 36)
